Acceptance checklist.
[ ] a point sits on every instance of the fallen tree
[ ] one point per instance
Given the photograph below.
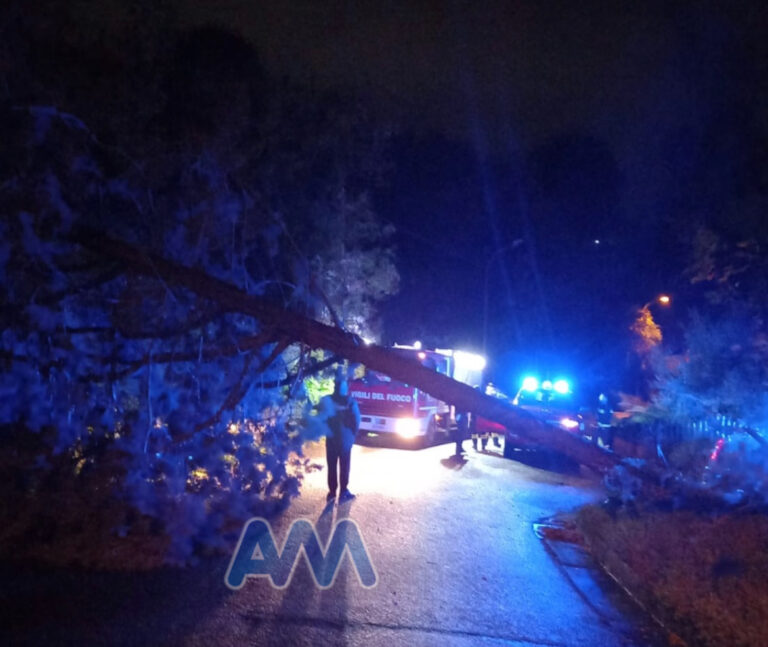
(293, 327)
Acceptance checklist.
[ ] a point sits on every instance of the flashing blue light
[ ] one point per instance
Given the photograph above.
(530, 384)
(546, 385)
(562, 387)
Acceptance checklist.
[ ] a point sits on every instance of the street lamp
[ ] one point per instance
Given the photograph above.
(662, 299)
(513, 245)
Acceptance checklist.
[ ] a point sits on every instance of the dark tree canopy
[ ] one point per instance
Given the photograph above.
(179, 144)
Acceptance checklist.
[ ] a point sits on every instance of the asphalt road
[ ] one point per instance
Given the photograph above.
(457, 560)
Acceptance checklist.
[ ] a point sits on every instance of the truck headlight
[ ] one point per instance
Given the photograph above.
(569, 423)
(407, 427)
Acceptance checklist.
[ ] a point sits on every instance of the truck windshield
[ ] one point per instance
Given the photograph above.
(438, 364)
(549, 399)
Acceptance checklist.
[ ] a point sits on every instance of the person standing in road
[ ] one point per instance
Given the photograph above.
(461, 432)
(342, 416)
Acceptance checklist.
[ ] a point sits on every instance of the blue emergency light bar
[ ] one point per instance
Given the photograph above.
(531, 384)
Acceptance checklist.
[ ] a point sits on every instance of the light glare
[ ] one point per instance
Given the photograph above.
(407, 427)
(469, 361)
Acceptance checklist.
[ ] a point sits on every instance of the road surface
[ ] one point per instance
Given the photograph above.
(457, 561)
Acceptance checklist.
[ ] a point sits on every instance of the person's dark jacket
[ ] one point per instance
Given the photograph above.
(341, 414)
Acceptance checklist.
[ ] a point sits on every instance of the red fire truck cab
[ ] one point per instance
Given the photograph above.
(388, 407)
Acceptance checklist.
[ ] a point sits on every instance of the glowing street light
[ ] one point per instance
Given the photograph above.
(661, 299)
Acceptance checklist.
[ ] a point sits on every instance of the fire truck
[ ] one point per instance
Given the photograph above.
(388, 407)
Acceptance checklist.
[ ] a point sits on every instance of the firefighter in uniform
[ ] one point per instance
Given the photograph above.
(604, 421)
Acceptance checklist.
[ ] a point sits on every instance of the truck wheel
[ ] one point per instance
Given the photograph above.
(429, 437)
(508, 448)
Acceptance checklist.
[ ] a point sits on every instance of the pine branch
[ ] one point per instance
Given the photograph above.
(240, 388)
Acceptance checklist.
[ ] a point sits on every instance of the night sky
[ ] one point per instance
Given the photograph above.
(627, 123)
(552, 124)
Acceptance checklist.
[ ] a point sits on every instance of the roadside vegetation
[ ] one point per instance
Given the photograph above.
(697, 557)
